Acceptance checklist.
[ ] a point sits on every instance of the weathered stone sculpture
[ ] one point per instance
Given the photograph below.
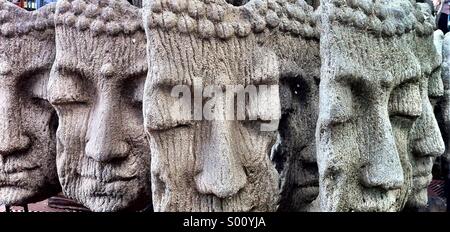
(367, 103)
(426, 140)
(201, 163)
(299, 91)
(444, 117)
(96, 86)
(27, 121)
(445, 108)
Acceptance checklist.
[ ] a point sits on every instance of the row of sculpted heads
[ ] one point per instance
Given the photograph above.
(89, 104)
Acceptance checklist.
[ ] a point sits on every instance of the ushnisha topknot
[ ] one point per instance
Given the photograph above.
(385, 18)
(220, 19)
(16, 22)
(110, 17)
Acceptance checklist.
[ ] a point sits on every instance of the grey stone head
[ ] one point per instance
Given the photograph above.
(96, 86)
(368, 105)
(27, 120)
(201, 164)
(295, 155)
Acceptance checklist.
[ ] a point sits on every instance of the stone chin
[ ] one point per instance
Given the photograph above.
(241, 202)
(354, 197)
(419, 194)
(30, 183)
(30, 187)
(373, 200)
(104, 203)
(418, 198)
(108, 197)
(17, 195)
(307, 194)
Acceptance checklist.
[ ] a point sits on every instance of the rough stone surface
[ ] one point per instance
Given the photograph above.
(368, 105)
(211, 165)
(96, 86)
(444, 104)
(27, 120)
(295, 155)
(426, 141)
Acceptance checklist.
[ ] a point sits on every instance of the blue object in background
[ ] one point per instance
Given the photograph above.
(41, 3)
(448, 18)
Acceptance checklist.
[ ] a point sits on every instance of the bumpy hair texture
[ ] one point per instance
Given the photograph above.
(381, 19)
(99, 16)
(16, 22)
(219, 19)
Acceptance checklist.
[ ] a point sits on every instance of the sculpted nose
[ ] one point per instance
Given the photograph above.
(103, 149)
(426, 136)
(104, 136)
(12, 139)
(221, 172)
(383, 167)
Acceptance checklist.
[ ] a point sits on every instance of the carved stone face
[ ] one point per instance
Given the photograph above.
(426, 141)
(96, 86)
(299, 91)
(367, 109)
(297, 154)
(208, 165)
(444, 105)
(27, 121)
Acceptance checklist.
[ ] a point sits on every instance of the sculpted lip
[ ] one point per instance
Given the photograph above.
(14, 177)
(106, 194)
(18, 170)
(422, 175)
(108, 188)
(108, 180)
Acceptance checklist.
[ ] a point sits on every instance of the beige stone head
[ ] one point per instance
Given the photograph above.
(96, 86)
(202, 163)
(368, 104)
(426, 141)
(27, 120)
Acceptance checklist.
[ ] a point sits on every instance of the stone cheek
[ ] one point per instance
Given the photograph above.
(27, 120)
